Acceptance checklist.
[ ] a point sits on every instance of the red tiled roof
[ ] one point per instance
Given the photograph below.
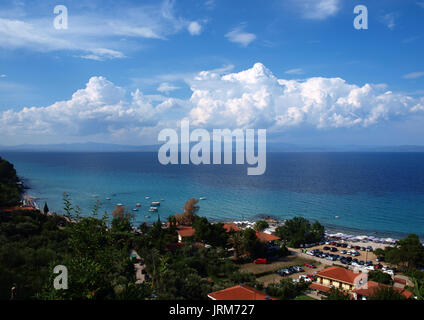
(372, 286)
(185, 231)
(339, 274)
(319, 287)
(266, 237)
(240, 292)
(230, 227)
(21, 208)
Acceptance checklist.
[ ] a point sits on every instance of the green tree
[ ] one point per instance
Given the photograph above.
(380, 277)
(46, 208)
(260, 225)
(386, 293)
(336, 294)
(299, 231)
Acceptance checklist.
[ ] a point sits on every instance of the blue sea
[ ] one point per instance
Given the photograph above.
(361, 193)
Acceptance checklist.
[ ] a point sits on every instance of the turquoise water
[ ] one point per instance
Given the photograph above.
(368, 192)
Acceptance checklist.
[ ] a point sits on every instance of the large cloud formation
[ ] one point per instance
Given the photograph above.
(253, 98)
(256, 98)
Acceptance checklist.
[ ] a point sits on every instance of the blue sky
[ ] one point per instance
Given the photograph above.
(123, 70)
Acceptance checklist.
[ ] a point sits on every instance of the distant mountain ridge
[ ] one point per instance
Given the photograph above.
(271, 147)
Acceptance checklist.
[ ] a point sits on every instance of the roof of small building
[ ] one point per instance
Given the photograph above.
(231, 226)
(266, 237)
(319, 287)
(339, 274)
(372, 286)
(240, 292)
(18, 208)
(185, 231)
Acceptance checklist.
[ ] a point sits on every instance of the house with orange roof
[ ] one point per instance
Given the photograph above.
(338, 278)
(185, 232)
(230, 227)
(240, 292)
(266, 237)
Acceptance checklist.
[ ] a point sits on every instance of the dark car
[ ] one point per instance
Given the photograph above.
(333, 249)
(344, 245)
(326, 248)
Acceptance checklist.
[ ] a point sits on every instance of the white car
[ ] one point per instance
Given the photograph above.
(370, 268)
(305, 278)
(390, 272)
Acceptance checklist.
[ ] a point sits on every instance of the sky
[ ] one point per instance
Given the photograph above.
(124, 70)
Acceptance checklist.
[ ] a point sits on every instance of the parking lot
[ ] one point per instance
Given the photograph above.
(346, 254)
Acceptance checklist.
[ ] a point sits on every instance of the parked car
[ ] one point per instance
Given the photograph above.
(389, 271)
(310, 265)
(326, 248)
(298, 268)
(343, 252)
(260, 261)
(333, 249)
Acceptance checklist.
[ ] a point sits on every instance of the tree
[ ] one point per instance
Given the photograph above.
(408, 253)
(336, 294)
(380, 277)
(260, 225)
(190, 210)
(299, 231)
(251, 244)
(46, 208)
(286, 289)
(236, 240)
(386, 293)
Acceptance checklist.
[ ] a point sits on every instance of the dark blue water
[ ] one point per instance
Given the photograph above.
(368, 192)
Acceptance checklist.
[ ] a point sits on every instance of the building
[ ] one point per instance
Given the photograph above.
(338, 278)
(185, 232)
(364, 292)
(240, 292)
(266, 237)
(230, 227)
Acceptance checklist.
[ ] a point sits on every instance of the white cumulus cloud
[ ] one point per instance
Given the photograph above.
(253, 98)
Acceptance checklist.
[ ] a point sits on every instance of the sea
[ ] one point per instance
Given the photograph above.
(379, 194)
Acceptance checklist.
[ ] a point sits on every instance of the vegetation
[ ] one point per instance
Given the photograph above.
(10, 191)
(260, 225)
(336, 294)
(380, 277)
(408, 253)
(299, 231)
(287, 289)
(386, 293)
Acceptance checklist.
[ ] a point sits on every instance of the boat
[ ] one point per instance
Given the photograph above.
(135, 209)
(147, 198)
(162, 199)
(202, 198)
(155, 204)
(153, 209)
(138, 205)
(108, 199)
(119, 204)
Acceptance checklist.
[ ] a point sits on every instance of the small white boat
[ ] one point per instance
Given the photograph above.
(135, 209)
(119, 204)
(162, 199)
(155, 204)
(153, 209)
(202, 198)
(147, 198)
(108, 199)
